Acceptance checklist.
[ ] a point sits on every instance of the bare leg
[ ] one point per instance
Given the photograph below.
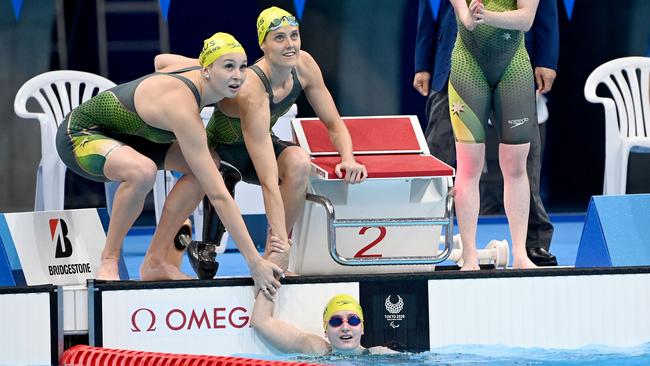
(137, 174)
(293, 170)
(516, 199)
(470, 159)
(162, 260)
(180, 203)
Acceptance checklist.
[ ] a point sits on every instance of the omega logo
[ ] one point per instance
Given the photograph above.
(146, 320)
(151, 323)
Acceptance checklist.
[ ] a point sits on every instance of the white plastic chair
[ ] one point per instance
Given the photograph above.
(627, 115)
(57, 92)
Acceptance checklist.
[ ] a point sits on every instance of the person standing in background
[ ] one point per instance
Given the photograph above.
(434, 42)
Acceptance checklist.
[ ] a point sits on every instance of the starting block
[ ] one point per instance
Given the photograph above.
(392, 222)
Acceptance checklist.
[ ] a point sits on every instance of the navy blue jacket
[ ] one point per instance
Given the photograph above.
(435, 40)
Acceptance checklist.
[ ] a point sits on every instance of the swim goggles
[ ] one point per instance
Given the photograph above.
(277, 22)
(336, 321)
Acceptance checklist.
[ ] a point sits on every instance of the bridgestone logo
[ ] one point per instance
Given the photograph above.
(66, 269)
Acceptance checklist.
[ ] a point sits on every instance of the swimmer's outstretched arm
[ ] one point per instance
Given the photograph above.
(321, 100)
(195, 149)
(179, 113)
(282, 335)
(254, 111)
(520, 19)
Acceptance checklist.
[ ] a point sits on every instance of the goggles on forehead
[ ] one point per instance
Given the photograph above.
(277, 22)
(337, 320)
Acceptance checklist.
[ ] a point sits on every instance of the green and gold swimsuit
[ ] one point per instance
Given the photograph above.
(491, 73)
(109, 120)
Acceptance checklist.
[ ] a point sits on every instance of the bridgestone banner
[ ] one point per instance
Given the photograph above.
(56, 247)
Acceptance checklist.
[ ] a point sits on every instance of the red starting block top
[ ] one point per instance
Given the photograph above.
(389, 147)
(388, 166)
(370, 135)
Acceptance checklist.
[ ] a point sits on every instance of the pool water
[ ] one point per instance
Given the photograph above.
(493, 355)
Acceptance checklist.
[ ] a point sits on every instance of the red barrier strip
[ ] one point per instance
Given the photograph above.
(83, 355)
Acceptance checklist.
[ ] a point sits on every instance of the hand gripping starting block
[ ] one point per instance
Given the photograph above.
(390, 223)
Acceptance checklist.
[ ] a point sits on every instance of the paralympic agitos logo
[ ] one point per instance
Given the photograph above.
(176, 319)
(394, 309)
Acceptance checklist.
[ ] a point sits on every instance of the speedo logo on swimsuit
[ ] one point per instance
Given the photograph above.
(517, 122)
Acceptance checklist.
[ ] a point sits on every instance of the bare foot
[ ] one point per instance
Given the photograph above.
(161, 271)
(470, 260)
(523, 263)
(108, 270)
(175, 256)
(470, 266)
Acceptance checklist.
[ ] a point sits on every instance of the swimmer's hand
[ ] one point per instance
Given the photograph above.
(276, 245)
(354, 172)
(475, 15)
(271, 252)
(264, 274)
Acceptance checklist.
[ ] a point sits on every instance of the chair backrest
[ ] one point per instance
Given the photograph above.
(206, 113)
(58, 92)
(628, 80)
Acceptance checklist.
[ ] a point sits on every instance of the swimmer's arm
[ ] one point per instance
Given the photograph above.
(166, 59)
(255, 115)
(520, 19)
(381, 350)
(321, 100)
(183, 118)
(192, 140)
(282, 335)
(467, 13)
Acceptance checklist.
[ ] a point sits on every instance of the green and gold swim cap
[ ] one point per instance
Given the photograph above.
(271, 19)
(338, 303)
(218, 45)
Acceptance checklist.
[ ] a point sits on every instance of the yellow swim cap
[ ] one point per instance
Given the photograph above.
(271, 19)
(218, 45)
(338, 303)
